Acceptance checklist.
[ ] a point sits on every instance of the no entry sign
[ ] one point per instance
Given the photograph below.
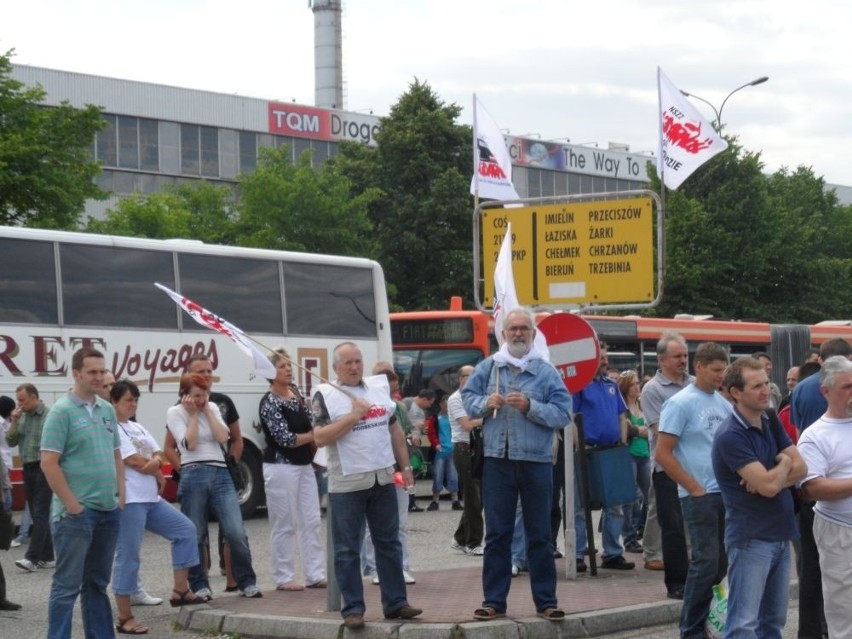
(574, 348)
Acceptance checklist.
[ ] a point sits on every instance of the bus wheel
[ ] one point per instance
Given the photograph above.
(252, 495)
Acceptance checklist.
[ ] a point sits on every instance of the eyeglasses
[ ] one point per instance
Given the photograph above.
(518, 329)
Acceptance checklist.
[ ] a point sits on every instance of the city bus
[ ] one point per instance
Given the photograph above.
(60, 291)
(430, 346)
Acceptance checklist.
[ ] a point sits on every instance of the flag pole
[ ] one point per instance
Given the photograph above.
(302, 368)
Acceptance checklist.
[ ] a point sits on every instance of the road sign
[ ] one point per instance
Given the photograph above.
(574, 348)
(574, 253)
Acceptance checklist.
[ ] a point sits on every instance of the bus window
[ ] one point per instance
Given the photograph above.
(28, 285)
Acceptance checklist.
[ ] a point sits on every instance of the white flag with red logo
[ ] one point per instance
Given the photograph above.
(262, 365)
(492, 166)
(506, 297)
(687, 140)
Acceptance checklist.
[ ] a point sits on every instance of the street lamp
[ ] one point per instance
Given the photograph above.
(718, 112)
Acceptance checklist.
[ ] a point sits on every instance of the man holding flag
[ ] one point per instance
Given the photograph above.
(521, 400)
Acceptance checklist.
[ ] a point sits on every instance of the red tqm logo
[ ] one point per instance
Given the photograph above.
(488, 165)
(300, 121)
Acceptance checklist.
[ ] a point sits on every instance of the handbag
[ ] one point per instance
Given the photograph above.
(7, 529)
(234, 470)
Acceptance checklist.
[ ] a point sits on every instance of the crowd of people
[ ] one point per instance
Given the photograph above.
(727, 473)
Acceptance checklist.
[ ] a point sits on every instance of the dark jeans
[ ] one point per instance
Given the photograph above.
(672, 536)
(705, 517)
(471, 528)
(39, 497)
(503, 481)
(811, 614)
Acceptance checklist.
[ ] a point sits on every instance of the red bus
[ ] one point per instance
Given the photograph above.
(430, 346)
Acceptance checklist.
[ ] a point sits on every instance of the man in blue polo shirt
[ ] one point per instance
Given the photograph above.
(605, 424)
(754, 461)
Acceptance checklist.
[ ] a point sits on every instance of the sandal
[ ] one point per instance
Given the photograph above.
(186, 598)
(552, 614)
(322, 583)
(138, 629)
(290, 586)
(487, 613)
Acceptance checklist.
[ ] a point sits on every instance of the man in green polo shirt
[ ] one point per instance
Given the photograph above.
(25, 433)
(80, 456)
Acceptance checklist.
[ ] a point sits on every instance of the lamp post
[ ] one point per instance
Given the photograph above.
(718, 112)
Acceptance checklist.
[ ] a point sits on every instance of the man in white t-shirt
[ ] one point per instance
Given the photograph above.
(826, 447)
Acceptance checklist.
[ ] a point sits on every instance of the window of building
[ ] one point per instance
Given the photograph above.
(106, 145)
(128, 142)
(149, 151)
(190, 151)
(248, 151)
(209, 151)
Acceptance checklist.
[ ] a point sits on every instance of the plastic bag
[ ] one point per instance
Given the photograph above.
(715, 626)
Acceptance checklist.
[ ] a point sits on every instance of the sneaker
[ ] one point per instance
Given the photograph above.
(457, 546)
(16, 543)
(409, 578)
(25, 564)
(375, 580)
(433, 506)
(415, 509)
(250, 592)
(142, 598)
(204, 593)
(474, 551)
(618, 562)
(44, 565)
(634, 547)
(457, 505)
(515, 570)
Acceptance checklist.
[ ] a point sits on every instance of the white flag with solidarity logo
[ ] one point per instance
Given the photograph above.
(687, 139)
(492, 166)
(262, 365)
(505, 296)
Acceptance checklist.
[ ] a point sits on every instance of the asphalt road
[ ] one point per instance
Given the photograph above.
(430, 534)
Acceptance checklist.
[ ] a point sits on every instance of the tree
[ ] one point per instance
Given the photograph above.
(46, 170)
(201, 211)
(290, 206)
(421, 166)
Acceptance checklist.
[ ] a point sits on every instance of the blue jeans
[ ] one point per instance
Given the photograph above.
(758, 590)
(85, 546)
(378, 506)
(612, 522)
(162, 519)
(705, 519)
(503, 481)
(519, 540)
(201, 487)
(444, 475)
(634, 514)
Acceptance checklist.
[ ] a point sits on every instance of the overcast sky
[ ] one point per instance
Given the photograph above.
(578, 69)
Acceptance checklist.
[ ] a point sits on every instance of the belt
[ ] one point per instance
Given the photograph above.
(461, 445)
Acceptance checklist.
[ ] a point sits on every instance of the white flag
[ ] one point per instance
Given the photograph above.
(492, 166)
(687, 140)
(505, 296)
(262, 365)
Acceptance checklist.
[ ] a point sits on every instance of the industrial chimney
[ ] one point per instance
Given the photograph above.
(328, 53)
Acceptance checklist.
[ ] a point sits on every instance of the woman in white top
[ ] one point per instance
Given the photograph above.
(145, 510)
(205, 483)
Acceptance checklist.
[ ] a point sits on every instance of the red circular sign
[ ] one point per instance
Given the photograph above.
(574, 348)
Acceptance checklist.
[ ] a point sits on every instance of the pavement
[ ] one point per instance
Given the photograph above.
(614, 600)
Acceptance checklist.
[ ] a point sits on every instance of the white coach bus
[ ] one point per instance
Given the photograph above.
(60, 291)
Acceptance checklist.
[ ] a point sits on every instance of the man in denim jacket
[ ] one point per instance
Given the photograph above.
(522, 400)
